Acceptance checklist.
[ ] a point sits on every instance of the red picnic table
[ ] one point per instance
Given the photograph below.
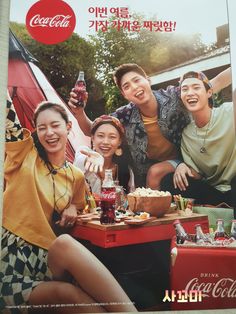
(137, 255)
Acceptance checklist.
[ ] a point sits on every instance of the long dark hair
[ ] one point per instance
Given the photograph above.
(45, 105)
(123, 162)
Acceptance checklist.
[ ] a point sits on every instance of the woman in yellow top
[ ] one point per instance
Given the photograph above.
(36, 267)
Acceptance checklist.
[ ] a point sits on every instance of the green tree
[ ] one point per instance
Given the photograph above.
(154, 51)
(61, 64)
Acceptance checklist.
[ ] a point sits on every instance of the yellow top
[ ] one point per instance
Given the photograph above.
(159, 148)
(29, 197)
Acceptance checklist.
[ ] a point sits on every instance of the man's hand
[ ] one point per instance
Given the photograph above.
(94, 161)
(73, 101)
(180, 176)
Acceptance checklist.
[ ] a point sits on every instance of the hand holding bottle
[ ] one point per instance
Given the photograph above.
(78, 95)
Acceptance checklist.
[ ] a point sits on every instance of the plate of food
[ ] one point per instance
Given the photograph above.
(139, 218)
(88, 217)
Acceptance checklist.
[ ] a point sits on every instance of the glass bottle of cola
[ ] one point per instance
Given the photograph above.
(233, 229)
(220, 233)
(80, 90)
(181, 234)
(108, 199)
(200, 237)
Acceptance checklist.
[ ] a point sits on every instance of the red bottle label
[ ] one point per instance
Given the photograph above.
(108, 201)
(80, 90)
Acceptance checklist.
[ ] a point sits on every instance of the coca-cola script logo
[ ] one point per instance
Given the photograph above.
(222, 288)
(50, 22)
(108, 195)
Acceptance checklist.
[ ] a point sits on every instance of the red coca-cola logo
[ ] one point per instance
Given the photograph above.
(50, 22)
(108, 196)
(223, 288)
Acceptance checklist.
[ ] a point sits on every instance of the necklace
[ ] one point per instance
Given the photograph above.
(53, 172)
(203, 147)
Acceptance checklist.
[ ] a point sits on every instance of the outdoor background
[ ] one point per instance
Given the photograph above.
(98, 53)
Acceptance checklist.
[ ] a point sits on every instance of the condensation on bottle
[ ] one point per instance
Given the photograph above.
(220, 233)
(80, 90)
(200, 236)
(233, 229)
(108, 199)
(181, 234)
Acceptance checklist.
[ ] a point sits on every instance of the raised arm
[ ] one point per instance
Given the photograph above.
(222, 80)
(80, 115)
(14, 131)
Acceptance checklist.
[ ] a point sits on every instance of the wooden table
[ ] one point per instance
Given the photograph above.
(120, 234)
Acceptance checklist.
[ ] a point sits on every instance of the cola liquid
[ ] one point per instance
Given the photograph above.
(233, 229)
(200, 237)
(220, 233)
(181, 234)
(80, 90)
(108, 203)
(108, 199)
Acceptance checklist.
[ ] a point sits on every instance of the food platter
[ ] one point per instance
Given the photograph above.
(136, 221)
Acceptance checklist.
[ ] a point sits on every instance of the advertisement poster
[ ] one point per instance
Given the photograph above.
(50, 43)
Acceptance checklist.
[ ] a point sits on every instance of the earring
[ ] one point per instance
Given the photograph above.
(118, 152)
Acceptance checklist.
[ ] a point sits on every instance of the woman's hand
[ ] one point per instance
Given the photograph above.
(94, 161)
(68, 217)
(180, 176)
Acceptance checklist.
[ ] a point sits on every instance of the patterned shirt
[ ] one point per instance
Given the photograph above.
(172, 119)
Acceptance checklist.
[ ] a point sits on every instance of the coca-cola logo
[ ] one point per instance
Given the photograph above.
(50, 22)
(222, 288)
(108, 196)
(58, 20)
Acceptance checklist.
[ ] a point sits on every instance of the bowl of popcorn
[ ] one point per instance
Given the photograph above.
(154, 202)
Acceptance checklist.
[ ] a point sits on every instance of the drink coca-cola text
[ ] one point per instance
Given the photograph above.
(224, 287)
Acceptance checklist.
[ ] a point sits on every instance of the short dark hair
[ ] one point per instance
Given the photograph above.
(125, 68)
(202, 77)
(45, 105)
(199, 75)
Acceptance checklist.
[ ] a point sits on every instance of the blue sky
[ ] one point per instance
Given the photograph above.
(191, 16)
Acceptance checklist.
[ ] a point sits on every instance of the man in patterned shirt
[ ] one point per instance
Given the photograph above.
(153, 122)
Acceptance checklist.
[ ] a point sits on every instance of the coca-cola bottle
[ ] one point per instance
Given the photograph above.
(80, 90)
(181, 234)
(200, 236)
(108, 199)
(220, 233)
(233, 229)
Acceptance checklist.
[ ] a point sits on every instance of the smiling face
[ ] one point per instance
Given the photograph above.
(136, 88)
(106, 140)
(52, 131)
(194, 95)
